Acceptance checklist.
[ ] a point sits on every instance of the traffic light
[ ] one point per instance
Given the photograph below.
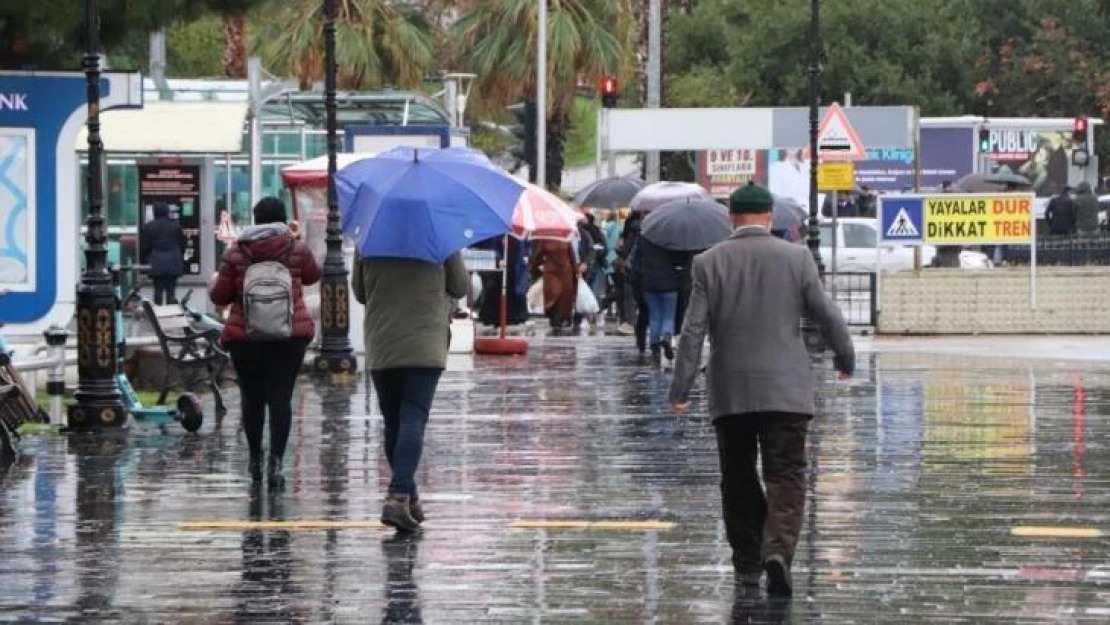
(609, 92)
(525, 130)
(1079, 132)
(1080, 155)
(984, 141)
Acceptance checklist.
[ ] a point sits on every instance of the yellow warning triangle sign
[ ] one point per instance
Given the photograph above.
(836, 139)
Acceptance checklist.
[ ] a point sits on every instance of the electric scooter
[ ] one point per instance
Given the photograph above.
(188, 410)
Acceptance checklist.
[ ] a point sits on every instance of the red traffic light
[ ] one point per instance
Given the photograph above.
(609, 86)
(1079, 130)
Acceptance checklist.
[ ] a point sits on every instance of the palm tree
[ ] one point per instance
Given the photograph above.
(587, 39)
(378, 42)
(235, 45)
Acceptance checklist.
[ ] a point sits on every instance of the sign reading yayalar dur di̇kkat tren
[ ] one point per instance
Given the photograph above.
(958, 219)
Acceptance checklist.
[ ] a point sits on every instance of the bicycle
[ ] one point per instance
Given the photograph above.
(17, 404)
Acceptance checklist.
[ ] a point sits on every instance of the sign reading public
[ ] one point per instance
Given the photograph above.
(951, 219)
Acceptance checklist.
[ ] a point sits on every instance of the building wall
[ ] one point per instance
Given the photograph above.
(1070, 300)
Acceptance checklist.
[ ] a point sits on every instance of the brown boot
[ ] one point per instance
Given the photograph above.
(416, 510)
(397, 513)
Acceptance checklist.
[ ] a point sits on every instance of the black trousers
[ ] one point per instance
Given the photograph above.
(267, 374)
(762, 524)
(165, 290)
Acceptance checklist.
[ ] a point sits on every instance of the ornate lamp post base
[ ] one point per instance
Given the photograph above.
(99, 404)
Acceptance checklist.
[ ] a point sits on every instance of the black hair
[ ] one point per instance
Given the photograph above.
(270, 210)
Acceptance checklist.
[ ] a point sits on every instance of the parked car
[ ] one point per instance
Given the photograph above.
(858, 249)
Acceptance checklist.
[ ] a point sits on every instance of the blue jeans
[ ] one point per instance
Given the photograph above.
(405, 396)
(661, 312)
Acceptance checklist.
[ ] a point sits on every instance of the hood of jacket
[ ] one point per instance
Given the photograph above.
(266, 242)
(161, 211)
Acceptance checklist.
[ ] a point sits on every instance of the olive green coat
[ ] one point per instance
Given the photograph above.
(408, 309)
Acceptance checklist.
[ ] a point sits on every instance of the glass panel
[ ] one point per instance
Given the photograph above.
(826, 235)
(860, 236)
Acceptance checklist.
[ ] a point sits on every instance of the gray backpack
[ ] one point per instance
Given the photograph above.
(268, 301)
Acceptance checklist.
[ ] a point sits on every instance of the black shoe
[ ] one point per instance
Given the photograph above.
(668, 348)
(656, 350)
(748, 579)
(256, 468)
(276, 479)
(778, 577)
(416, 510)
(397, 514)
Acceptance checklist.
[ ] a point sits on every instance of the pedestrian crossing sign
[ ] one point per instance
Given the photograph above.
(902, 219)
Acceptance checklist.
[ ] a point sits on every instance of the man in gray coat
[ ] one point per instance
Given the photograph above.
(749, 295)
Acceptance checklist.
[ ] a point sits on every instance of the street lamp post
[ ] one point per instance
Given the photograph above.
(336, 356)
(813, 235)
(99, 404)
(812, 334)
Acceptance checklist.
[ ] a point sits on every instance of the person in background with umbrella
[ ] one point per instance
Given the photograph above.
(684, 229)
(659, 276)
(410, 212)
(555, 262)
(1060, 214)
(634, 304)
(611, 228)
(596, 258)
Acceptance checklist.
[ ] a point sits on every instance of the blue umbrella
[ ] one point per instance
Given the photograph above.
(425, 204)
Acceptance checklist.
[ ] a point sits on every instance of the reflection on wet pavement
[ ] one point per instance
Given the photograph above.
(945, 488)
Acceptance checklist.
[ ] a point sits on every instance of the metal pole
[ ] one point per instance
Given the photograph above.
(611, 155)
(336, 356)
(654, 78)
(835, 241)
(601, 131)
(254, 87)
(1033, 265)
(541, 96)
(98, 399)
(813, 239)
(918, 261)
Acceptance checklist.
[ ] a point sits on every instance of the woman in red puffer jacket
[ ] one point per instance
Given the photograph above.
(267, 370)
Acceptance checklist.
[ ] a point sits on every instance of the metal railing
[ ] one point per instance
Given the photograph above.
(856, 296)
(1067, 251)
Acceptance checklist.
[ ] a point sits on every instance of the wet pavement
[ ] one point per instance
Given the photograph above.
(943, 488)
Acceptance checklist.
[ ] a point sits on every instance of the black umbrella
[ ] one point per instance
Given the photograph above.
(991, 183)
(687, 225)
(610, 193)
(656, 195)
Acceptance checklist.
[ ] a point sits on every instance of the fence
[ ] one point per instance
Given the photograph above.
(855, 293)
(1064, 251)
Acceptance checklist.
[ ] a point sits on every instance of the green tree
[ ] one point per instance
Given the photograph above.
(50, 34)
(587, 39)
(378, 43)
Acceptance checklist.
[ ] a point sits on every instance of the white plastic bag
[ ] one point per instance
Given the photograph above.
(587, 303)
(535, 298)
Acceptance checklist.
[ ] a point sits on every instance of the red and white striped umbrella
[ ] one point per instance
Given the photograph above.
(542, 215)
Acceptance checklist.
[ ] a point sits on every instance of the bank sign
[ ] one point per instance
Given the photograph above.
(958, 219)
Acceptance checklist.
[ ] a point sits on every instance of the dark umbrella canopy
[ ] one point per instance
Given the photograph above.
(788, 218)
(687, 225)
(609, 193)
(991, 183)
(656, 195)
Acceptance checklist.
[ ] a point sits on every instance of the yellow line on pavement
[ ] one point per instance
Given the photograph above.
(217, 526)
(642, 526)
(321, 525)
(1057, 532)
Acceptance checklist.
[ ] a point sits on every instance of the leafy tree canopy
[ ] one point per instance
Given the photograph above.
(50, 34)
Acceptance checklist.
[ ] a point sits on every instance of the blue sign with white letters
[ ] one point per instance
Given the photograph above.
(902, 219)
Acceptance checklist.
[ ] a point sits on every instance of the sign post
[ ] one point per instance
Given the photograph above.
(833, 178)
(837, 145)
(962, 219)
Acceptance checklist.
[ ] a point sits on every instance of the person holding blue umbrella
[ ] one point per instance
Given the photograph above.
(410, 212)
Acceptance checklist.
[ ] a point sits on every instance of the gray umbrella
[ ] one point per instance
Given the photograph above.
(610, 193)
(687, 225)
(788, 217)
(991, 183)
(656, 195)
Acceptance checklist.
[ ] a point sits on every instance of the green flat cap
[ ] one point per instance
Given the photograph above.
(750, 199)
